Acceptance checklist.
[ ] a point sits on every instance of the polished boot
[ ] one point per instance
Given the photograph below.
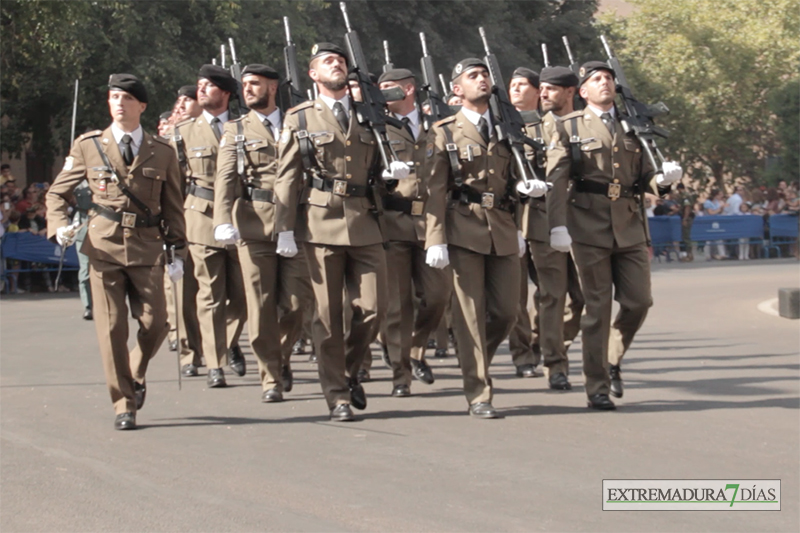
(601, 402)
(526, 371)
(87, 314)
(288, 378)
(216, 378)
(139, 391)
(237, 362)
(272, 396)
(483, 410)
(342, 413)
(559, 381)
(125, 421)
(189, 370)
(173, 344)
(616, 381)
(358, 398)
(401, 391)
(422, 371)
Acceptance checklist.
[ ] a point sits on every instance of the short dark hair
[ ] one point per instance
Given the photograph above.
(5, 166)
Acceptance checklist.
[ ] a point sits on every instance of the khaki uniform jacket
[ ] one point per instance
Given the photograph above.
(153, 177)
(469, 226)
(255, 220)
(596, 219)
(323, 217)
(201, 148)
(534, 214)
(401, 226)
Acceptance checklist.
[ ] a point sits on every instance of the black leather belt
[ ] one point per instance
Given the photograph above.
(612, 190)
(338, 187)
(128, 220)
(254, 194)
(201, 192)
(487, 200)
(404, 205)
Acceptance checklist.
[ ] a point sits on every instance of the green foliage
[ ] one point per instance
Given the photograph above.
(785, 105)
(46, 45)
(715, 64)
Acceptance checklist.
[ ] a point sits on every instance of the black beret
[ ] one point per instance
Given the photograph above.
(590, 67)
(396, 74)
(531, 75)
(466, 64)
(165, 115)
(130, 84)
(220, 77)
(321, 49)
(189, 91)
(561, 76)
(261, 70)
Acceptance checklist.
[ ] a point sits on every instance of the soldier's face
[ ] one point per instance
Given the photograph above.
(209, 96)
(474, 86)
(455, 100)
(188, 107)
(124, 107)
(599, 89)
(408, 90)
(259, 92)
(554, 97)
(330, 71)
(523, 95)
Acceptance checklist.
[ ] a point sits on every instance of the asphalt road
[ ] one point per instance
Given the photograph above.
(712, 392)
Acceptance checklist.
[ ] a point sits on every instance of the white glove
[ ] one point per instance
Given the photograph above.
(226, 234)
(672, 173)
(397, 171)
(175, 270)
(286, 245)
(437, 256)
(532, 188)
(560, 239)
(522, 244)
(66, 234)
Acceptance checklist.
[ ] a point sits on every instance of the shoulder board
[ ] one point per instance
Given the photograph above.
(184, 122)
(90, 134)
(304, 105)
(394, 122)
(161, 140)
(237, 119)
(574, 114)
(448, 120)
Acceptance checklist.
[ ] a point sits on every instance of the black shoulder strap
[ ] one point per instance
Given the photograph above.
(307, 151)
(575, 149)
(178, 138)
(114, 178)
(452, 152)
(239, 140)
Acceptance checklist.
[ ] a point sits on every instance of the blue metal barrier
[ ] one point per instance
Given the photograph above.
(25, 246)
(664, 232)
(783, 229)
(728, 228)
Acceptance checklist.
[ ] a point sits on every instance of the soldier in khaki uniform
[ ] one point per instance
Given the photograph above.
(602, 218)
(135, 184)
(558, 322)
(407, 336)
(221, 309)
(471, 225)
(278, 289)
(335, 224)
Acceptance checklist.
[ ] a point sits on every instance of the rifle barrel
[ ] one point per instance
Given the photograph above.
(74, 113)
(606, 46)
(343, 7)
(234, 58)
(424, 44)
(222, 54)
(287, 30)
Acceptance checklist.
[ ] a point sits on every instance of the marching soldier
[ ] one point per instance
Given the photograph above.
(560, 300)
(221, 310)
(335, 224)
(278, 289)
(471, 226)
(83, 204)
(135, 183)
(404, 213)
(601, 217)
(187, 104)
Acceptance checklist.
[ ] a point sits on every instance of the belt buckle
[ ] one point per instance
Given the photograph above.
(128, 220)
(487, 200)
(340, 187)
(614, 191)
(417, 207)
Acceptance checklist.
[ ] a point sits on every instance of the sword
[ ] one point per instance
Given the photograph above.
(63, 254)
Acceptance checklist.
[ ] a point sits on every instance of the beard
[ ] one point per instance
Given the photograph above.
(260, 103)
(334, 85)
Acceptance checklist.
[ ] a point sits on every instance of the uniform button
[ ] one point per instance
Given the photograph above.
(348, 176)
(491, 189)
(616, 148)
(419, 181)
(616, 180)
(192, 207)
(616, 165)
(349, 143)
(348, 158)
(489, 153)
(416, 147)
(491, 171)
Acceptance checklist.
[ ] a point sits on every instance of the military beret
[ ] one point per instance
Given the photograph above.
(561, 76)
(531, 75)
(466, 64)
(589, 68)
(321, 49)
(165, 115)
(261, 70)
(396, 74)
(130, 84)
(189, 91)
(372, 77)
(220, 77)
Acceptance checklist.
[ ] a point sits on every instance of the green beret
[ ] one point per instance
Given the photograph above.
(396, 74)
(531, 75)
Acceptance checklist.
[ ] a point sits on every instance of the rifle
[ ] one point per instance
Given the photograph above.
(222, 55)
(508, 123)
(236, 72)
(445, 87)
(545, 55)
(74, 114)
(439, 109)
(294, 94)
(573, 65)
(388, 65)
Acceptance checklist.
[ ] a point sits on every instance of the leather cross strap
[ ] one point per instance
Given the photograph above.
(201, 192)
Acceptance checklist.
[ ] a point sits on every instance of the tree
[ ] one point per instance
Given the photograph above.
(715, 65)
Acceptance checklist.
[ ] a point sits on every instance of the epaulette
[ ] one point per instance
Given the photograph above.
(397, 123)
(237, 119)
(448, 120)
(300, 107)
(90, 134)
(161, 140)
(184, 122)
(574, 114)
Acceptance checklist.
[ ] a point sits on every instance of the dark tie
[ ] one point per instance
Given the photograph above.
(268, 125)
(127, 150)
(407, 122)
(609, 122)
(341, 116)
(215, 126)
(483, 129)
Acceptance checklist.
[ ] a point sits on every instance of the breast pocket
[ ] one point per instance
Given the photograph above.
(153, 182)
(634, 152)
(367, 142)
(260, 153)
(203, 159)
(323, 143)
(471, 157)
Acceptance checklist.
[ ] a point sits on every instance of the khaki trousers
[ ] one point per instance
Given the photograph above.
(361, 271)
(626, 272)
(143, 287)
(221, 306)
(278, 293)
(483, 314)
(559, 320)
(523, 342)
(189, 343)
(407, 336)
